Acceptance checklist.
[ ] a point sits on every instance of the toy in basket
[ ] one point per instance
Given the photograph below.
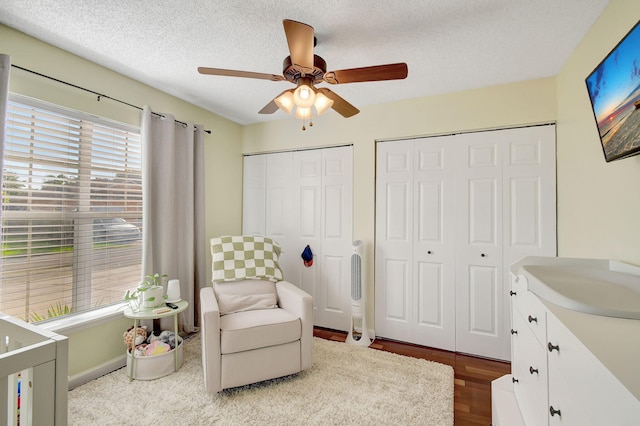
(154, 354)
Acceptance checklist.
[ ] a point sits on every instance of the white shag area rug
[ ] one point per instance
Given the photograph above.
(347, 385)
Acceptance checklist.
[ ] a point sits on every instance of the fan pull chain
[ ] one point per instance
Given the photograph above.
(304, 120)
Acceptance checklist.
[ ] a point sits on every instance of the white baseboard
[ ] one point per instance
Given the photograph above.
(98, 371)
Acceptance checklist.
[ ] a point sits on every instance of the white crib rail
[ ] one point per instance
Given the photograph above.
(41, 359)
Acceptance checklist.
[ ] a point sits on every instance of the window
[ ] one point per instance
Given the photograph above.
(71, 211)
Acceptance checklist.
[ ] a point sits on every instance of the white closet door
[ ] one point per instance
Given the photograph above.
(452, 213)
(394, 240)
(334, 298)
(529, 190)
(479, 277)
(506, 212)
(307, 173)
(279, 204)
(253, 194)
(306, 198)
(434, 243)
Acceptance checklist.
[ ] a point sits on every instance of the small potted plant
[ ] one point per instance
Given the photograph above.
(149, 294)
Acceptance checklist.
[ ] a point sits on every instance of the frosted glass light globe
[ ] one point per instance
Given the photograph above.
(304, 96)
(303, 113)
(285, 101)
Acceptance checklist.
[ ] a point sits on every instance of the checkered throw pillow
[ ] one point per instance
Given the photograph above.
(245, 257)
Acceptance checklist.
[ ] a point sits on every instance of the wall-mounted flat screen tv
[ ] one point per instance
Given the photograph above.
(614, 90)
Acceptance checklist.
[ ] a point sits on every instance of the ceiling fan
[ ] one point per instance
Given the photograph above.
(305, 69)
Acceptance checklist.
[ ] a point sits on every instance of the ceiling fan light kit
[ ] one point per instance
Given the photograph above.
(304, 69)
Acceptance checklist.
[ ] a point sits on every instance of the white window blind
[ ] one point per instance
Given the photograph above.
(71, 211)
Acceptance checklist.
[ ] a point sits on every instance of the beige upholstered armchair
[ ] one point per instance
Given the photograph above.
(252, 329)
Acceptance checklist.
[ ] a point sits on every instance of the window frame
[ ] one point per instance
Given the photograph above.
(87, 316)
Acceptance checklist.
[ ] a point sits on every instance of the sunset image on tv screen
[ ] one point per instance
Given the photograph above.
(614, 90)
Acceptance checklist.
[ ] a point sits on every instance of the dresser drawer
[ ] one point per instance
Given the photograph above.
(603, 397)
(564, 409)
(531, 309)
(529, 372)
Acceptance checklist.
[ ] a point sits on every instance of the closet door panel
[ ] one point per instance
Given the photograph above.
(529, 190)
(433, 241)
(307, 166)
(483, 217)
(524, 207)
(394, 294)
(529, 209)
(334, 223)
(334, 306)
(332, 292)
(394, 240)
(398, 207)
(430, 308)
(253, 194)
(483, 300)
(279, 204)
(430, 211)
(479, 306)
(309, 214)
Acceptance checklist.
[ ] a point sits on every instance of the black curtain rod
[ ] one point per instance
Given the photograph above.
(99, 95)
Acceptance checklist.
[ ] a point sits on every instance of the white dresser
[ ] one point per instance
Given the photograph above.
(570, 367)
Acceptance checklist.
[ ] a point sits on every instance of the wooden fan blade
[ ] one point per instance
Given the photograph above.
(244, 74)
(269, 108)
(300, 41)
(397, 71)
(341, 106)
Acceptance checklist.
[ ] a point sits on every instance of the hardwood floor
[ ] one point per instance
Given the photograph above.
(473, 376)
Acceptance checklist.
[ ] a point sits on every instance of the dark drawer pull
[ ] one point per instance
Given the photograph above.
(512, 293)
(533, 370)
(553, 411)
(552, 347)
(514, 380)
(532, 319)
(514, 331)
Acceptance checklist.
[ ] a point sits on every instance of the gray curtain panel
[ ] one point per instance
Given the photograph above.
(174, 241)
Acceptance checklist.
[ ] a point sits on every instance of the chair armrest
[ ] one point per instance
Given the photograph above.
(299, 303)
(210, 338)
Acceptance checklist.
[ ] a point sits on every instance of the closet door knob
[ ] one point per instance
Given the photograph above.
(429, 252)
(483, 255)
(533, 370)
(553, 411)
(552, 347)
(532, 319)
(514, 331)
(512, 293)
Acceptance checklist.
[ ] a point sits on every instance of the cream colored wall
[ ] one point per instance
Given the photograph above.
(222, 149)
(598, 202)
(507, 105)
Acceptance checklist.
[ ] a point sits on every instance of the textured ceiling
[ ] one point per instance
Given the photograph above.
(449, 46)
